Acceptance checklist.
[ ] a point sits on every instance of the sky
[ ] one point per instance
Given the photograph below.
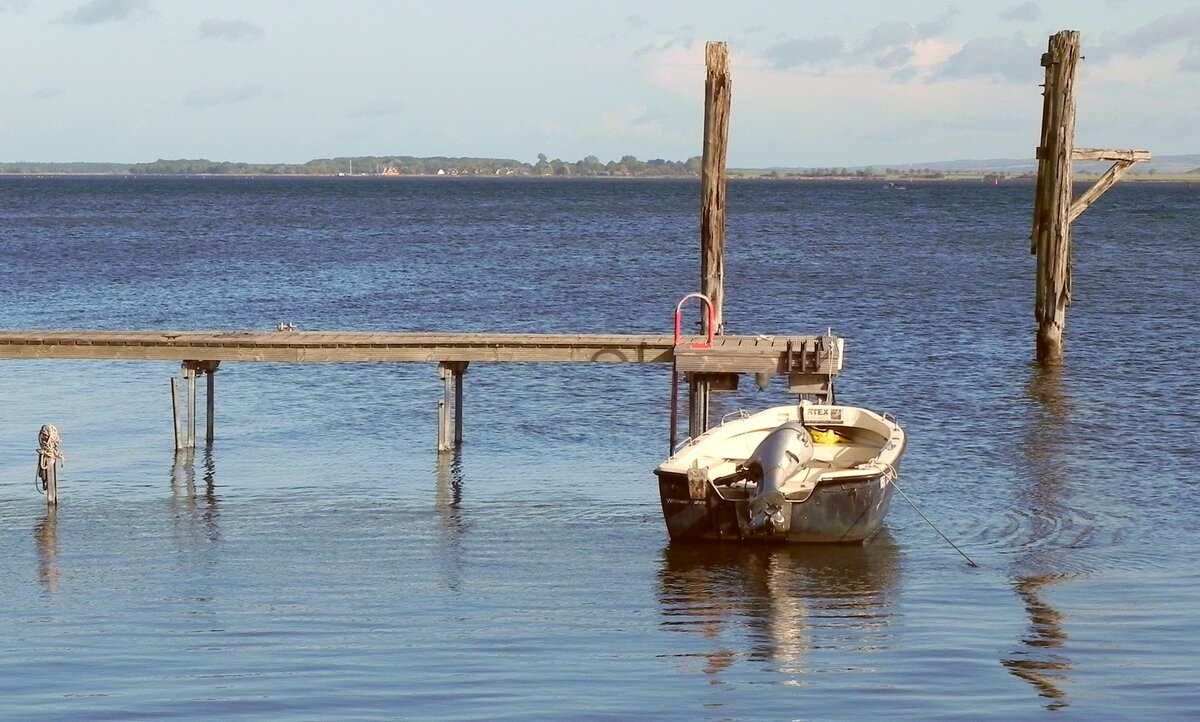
(815, 83)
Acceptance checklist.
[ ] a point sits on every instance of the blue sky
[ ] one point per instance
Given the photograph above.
(815, 83)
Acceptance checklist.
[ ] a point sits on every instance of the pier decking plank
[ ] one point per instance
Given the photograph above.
(736, 354)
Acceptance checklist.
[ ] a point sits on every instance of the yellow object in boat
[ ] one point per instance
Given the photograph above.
(827, 436)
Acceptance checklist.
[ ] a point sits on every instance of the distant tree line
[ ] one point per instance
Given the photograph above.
(858, 173)
(396, 165)
(64, 168)
(407, 165)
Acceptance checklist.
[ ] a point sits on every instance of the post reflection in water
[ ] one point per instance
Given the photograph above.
(451, 524)
(1039, 660)
(191, 507)
(449, 486)
(778, 604)
(46, 536)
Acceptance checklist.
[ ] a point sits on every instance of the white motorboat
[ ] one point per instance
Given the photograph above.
(809, 472)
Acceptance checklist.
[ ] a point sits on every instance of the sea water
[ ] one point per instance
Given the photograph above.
(321, 561)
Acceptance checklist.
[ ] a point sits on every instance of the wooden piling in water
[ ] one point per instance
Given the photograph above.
(189, 373)
(451, 404)
(185, 420)
(717, 91)
(49, 457)
(175, 416)
(210, 406)
(52, 485)
(1054, 210)
(712, 182)
(1052, 199)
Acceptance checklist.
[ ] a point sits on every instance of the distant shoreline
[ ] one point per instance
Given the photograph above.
(737, 174)
(1164, 168)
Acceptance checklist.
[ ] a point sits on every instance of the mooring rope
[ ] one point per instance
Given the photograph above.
(49, 454)
(922, 515)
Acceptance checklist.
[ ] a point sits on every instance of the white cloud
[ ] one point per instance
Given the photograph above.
(1002, 58)
(218, 29)
(1025, 11)
(625, 120)
(104, 11)
(1161, 35)
(799, 52)
(207, 97)
(379, 109)
(1167, 29)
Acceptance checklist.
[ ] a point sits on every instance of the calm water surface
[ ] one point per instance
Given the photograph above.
(320, 561)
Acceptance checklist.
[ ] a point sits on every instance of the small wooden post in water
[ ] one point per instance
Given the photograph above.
(1053, 209)
(210, 402)
(49, 457)
(175, 421)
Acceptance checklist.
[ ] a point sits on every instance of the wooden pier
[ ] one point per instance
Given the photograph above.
(728, 354)
(712, 362)
(707, 363)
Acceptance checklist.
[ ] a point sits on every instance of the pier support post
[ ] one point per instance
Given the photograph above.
(210, 402)
(712, 182)
(189, 373)
(699, 392)
(175, 416)
(185, 422)
(701, 387)
(451, 373)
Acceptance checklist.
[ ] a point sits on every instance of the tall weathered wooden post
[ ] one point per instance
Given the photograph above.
(712, 220)
(712, 182)
(1053, 209)
(1051, 240)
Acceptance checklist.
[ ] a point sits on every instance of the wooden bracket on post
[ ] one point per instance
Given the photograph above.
(1123, 160)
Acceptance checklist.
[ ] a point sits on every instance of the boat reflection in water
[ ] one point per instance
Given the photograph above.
(775, 604)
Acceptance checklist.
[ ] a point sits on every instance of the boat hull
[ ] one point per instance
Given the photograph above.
(837, 511)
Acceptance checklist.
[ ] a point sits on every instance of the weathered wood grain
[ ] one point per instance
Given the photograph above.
(717, 91)
(730, 354)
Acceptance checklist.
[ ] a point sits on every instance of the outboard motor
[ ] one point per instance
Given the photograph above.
(781, 454)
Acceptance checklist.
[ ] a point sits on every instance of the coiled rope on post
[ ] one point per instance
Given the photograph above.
(49, 454)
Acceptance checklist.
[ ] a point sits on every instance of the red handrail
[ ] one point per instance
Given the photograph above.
(674, 370)
(711, 318)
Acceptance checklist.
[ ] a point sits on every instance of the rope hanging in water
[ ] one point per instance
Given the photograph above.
(939, 531)
(49, 454)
